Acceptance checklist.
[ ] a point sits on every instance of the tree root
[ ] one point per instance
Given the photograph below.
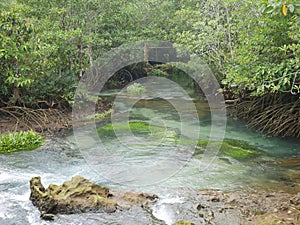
(275, 115)
(40, 120)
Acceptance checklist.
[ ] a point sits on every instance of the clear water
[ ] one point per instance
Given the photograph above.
(145, 163)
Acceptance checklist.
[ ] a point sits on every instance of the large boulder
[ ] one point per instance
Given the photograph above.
(80, 195)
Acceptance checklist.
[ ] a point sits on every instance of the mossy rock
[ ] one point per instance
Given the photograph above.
(81, 195)
(17, 141)
(237, 149)
(74, 196)
(183, 222)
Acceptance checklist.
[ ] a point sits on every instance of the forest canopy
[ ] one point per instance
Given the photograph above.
(46, 46)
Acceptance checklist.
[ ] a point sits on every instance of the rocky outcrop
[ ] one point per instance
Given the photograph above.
(80, 195)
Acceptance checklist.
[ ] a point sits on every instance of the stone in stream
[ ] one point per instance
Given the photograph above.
(80, 195)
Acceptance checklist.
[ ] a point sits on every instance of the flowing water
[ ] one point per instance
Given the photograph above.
(143, 162)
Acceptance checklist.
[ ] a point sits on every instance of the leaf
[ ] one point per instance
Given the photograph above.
(291, 8)
(284, 10)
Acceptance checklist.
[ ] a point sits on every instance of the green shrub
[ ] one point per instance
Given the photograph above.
(136, 89)
(17, 141)
(158, 73)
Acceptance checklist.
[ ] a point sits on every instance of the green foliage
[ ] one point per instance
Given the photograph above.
(136, 89)
(100, 116)
(237, 149)
(17, 141)
(15, 48)
(158, 73)
(46, 46)
(267, 59)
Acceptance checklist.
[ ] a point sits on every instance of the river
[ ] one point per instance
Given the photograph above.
(173, 173)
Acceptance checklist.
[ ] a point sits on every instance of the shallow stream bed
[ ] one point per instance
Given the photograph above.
(156, 163)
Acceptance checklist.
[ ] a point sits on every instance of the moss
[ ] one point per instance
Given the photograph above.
(76, 195)
(236, 149)
(183, 222)
(99, 200)
(17, 141)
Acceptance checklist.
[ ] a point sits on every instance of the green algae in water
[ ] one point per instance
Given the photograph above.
(237, 149)
(135, 127)
(17, 141)
(138, 128)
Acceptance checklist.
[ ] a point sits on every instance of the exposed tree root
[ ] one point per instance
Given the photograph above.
(16, 118)
(275, 115)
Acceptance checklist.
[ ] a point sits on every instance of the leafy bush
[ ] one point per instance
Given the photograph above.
(266, 60)
(136, 89)
(158, 73)
(23, 140)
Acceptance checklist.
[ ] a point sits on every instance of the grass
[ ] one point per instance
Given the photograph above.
(17, 141)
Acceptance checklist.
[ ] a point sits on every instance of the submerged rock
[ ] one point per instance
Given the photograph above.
(290, 163)
(80, 195)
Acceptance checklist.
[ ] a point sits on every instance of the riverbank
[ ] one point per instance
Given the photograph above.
(271, 114)
(249, 208)
(47, 121)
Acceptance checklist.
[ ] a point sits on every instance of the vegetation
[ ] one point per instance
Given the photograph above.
(135, 127)
(100, 116)
(138, 128)
(236, 149)
(18, 141)
(136, 89)
(252, 48)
